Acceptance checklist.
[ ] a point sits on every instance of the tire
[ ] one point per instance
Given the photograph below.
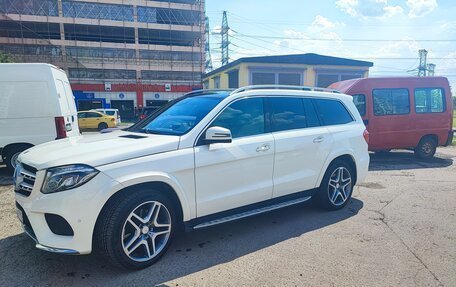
(426, 148)
(119, 232)
(102, 126)
(337, 186)
(11, 156)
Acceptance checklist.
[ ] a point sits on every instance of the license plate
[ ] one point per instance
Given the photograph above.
(20, 215)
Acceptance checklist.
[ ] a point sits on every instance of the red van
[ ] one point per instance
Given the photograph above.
(404, 112)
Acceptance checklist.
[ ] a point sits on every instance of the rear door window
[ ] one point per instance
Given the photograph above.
(332, 112)
(311, 113)
(360, 102)
(287, 114)
(429, 100)
(391, 102)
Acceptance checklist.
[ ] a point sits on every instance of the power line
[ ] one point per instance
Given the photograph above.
(342, 39)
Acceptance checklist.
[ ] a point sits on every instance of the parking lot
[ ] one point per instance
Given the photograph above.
(398, 230)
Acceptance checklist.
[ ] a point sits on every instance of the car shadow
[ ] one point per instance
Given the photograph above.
(6, 177)
(403, 160)
(190, 253)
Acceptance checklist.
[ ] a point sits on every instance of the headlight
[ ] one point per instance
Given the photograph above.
(67, 177)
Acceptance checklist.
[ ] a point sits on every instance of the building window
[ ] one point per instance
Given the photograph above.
(429, 100)
(93, 33)
(325, 79)
(101, 74)
(217, 82)
(233, 79)
(289, 79)
(391, 101)
(259, 78)
(76, 9)
(267, 77)
(26, 7)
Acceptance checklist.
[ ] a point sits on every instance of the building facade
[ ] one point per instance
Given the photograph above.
(117, 53)
(300, 70)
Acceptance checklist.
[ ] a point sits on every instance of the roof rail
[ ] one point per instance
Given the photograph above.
(286, 87)
(202, 91)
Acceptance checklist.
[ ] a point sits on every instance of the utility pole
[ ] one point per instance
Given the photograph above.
(225, 40)
(422, 67)
(207, 48)
(431, 70)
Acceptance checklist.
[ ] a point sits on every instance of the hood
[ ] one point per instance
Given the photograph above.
(96, 150)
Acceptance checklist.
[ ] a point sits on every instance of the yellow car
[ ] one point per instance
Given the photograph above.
(95, 120)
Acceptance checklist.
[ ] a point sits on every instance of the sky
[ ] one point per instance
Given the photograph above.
(388, 33)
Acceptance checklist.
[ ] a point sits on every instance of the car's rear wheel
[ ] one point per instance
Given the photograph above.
(337, 186)
(136, 230)
(426, 148)
(102, 126)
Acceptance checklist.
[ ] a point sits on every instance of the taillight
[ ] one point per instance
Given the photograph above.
(366, 136)
(60, 128)
(142, 117)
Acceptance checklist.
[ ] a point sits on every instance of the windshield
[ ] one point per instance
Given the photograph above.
(178, 118)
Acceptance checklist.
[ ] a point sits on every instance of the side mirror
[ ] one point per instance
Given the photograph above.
(218, 135)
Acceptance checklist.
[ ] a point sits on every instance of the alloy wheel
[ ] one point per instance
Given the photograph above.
(340, 186)
(146, 231)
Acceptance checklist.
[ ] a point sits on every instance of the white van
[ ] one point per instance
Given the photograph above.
(36, 106)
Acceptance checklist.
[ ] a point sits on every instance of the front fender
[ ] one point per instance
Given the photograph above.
(188, 209)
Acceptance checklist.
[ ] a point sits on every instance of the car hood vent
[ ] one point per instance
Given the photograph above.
(133, 137)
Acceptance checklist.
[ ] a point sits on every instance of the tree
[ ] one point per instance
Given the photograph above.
(5, 58)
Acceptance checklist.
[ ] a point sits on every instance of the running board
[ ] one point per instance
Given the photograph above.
(251, 212)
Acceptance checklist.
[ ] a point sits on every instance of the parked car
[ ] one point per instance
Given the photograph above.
(112, 112)
(404, 112)
(210, 157)
(36, 106)
(95, 120)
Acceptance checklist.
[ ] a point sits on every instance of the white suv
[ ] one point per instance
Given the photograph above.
(207, 158)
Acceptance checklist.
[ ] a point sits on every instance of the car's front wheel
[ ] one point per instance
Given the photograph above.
(337, 186)
(136, 229)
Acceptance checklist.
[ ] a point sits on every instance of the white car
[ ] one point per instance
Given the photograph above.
(209, 158)
(111, 112)
(36, 106)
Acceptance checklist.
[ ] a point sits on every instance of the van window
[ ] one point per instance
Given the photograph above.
(429, 100)
(360, 103)
(287, 114)
(243, 118)
(332, 112)
(391, 102)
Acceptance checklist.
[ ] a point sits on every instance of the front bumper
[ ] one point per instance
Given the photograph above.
(80, 207)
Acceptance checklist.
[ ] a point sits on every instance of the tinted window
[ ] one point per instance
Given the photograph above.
(287, 114)
(243, 118)
(81, 115)
(360, 103)
(332, 112)
(311, 114)
(391, 101)
(110, 113)
(429, 100)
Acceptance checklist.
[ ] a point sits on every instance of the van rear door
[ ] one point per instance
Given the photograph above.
(67, 107)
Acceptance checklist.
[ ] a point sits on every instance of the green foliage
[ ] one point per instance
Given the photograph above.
(5, 58)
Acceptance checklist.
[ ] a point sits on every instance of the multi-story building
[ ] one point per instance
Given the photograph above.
(124, 54)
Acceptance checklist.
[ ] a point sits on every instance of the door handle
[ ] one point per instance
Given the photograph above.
(264, 147)
(319, 139)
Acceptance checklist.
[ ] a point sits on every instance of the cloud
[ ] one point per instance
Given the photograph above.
(448, 26)
(369, 8)
(420, 8)
(322, 23)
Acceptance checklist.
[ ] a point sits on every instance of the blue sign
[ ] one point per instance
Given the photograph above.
(157, 96)
(121, 96)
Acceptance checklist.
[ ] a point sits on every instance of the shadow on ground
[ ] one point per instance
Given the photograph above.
(5, 176)
(191, 253)
(403, 160)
